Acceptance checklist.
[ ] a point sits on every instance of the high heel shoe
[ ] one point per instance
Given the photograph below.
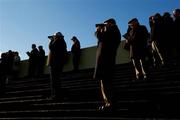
(144, 76)
(137, 76)
(105, 107)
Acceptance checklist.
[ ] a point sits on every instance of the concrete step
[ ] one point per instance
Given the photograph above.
(156, 97)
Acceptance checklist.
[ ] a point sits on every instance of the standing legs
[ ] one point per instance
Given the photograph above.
(139, 69)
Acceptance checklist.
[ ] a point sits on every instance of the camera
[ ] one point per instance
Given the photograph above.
(100, 25)
(50, 37)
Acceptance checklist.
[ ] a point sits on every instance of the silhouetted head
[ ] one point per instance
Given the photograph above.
(58, 34)
(133, 23)
(157, 17)
(166, 14)
(33, 46)
(74, 38)
(176, 13)
(40, 47)
(111, 21)
(134, 20)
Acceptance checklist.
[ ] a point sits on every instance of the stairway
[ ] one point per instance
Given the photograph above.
(157, 97)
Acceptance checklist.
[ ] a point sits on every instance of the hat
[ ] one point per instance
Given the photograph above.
(133, 20)
(176, 11)
(111, 20)
(58, 34)
(74, 38)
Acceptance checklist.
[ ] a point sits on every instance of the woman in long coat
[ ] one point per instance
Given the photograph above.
(109, 38)
(138, 43)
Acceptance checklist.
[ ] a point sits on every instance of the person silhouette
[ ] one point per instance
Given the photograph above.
(33, 58)
(41, 61)
(109, 38)
(76, 52)
(56, 60)
(138, 42)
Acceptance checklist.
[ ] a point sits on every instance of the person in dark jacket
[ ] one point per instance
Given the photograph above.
(56, 60)
(109, 38)
(168, 38)
(41, 64)
(156, 40)
(76, 52)
(138, 42)
(33, 64)
(176, 14)
(3, 72)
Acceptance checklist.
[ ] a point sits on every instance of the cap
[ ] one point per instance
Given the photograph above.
(58, 34)
(111, 20)
(73, 38)
(133, 20)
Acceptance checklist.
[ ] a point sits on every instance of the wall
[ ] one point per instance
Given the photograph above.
(87, 60)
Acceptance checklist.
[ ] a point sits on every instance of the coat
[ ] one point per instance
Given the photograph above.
(108, 43)
(138, 42)
(57, 53)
